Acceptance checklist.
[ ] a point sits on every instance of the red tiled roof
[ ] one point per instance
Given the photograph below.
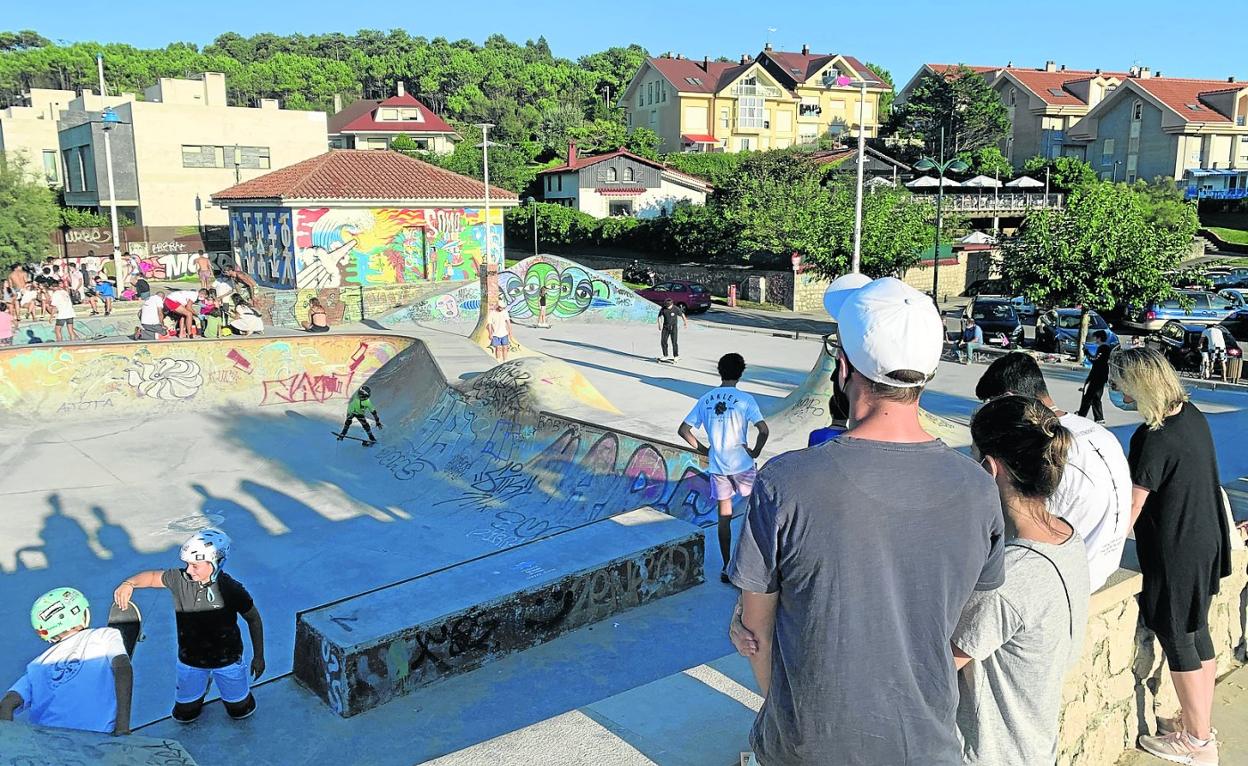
(677, 70)
(586, 161)
(945, 69)
(1039, 82)
(809, 64)
(361, 174)
(362, 116)
(1177, 94)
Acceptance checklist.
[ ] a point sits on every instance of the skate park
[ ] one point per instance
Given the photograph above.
(116, 451)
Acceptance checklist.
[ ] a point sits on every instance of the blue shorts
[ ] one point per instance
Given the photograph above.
(232, 682)
(496, 341)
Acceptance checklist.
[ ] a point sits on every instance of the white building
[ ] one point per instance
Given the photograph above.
(619, 183)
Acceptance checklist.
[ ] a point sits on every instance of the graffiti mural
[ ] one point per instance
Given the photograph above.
(264, 243)
(572, 291)
(386, 246)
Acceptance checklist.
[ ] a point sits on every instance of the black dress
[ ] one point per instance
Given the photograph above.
(1182, 535)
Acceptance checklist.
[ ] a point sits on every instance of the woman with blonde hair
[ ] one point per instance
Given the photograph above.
(1013, 645)
(1182, 538)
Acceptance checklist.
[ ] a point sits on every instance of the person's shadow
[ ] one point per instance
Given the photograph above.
(63, 538)
(113, 537)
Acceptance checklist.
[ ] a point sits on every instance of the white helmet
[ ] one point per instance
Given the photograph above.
(211, 545)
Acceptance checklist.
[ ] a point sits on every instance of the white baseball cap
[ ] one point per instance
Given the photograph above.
(885, 325)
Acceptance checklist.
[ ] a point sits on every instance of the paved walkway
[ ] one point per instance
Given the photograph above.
(1230, 715)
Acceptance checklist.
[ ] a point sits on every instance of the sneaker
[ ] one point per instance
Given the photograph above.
(1171, 725)
(1177, 747)
(675, 359)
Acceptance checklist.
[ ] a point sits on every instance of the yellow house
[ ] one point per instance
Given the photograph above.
(772, 101)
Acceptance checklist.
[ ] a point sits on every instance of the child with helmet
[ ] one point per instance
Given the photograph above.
(358, 409)
(84, 680)
(207, 603)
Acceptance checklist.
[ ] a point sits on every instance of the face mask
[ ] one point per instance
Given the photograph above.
(1120, 400)
(839, 397)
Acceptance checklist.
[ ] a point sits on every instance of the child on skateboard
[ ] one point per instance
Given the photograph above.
(726, 414)
(84, 680)
(207, 604)
(358, 409)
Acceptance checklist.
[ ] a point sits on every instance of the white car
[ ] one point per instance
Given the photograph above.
(1237, 296)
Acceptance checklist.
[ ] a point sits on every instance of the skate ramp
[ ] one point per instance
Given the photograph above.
(22, 745)
(806, 407)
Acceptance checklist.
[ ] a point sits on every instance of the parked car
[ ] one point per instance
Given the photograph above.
(1179, 342)
(691, 296)
(998, 318)
(1058, 330)
(1237, 296)
(1237, 325)
(1202, 307)
(985, 287)
(1236, 277)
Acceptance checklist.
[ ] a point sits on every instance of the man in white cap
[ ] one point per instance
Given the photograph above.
(858, 555)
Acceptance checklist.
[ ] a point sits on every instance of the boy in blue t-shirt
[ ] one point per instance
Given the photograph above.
(105, 290)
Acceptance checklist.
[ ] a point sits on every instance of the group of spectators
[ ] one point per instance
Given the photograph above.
(203, 313)
(903, 603)
(48, 292)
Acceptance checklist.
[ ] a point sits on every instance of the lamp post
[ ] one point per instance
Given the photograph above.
(533, 203)
(109, 119)
(941, 166)
(485, 171)
(855, 263)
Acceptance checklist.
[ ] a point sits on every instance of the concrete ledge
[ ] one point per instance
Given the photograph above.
(21, 744)
(361, 652)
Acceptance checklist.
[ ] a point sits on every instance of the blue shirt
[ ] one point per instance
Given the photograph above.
(821, 435)
(105, 290)
(973, 334)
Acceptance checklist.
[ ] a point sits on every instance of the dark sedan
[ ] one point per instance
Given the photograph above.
(999, 321)
(691, 296)
(1237, 325)
(1179, 343)
(1058, 330)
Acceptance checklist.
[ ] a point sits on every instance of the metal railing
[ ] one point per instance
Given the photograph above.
(1014, 202)
(766, 91)
(1192, 192)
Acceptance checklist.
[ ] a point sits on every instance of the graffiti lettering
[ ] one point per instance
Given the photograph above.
(303, 387)
(88, 236)
(241, 362)
(333, 680)
(98, 404)
(170, 246)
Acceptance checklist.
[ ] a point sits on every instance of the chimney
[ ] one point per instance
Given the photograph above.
(706, 63)
(1231, 78)
(745, 58)
(1098, 70)
(767, 46)
(1063, 68)
(1134, 71)
(1009, 65)
(400, 89)
(571, 154)
(1158, 74)
(337, 103)
(1144, 73)
(1050, 66)
(805, 49)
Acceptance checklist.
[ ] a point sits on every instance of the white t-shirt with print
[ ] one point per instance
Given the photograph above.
(70, 686)
(63, 305)
(726, 414)
(1095, 495)
(150, 313)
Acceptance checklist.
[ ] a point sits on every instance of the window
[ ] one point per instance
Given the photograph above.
(613, 174)
(560, 181)
(1194, 107)
(654, 118)
(86, 157)
(620, 208)
(693, 80)
(1130, 178)
(1013, 96)
(750, 112)
(663, 91)
(745, 144)
(723, 118)
(641, 97)
(246, 157)
(548, 179)
(410, 114)
(1137, 110)
(807, 134)
(809, 107)
(1133, 144)
(1107, 151)
(629, 175)
(649, 93)
(51, 168)
(388, 114)
(1057, 92)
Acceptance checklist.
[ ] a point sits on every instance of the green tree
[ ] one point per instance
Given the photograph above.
(778, 206)
(886, 99)
(989, 161)
(1066, 174)
(23, 40)
(405, 144)
(963, 103)
(896, 227)
(718, 168)
(1106, 248)
(28, 213)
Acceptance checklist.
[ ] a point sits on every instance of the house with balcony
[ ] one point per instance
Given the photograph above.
(1192, 131)
(771, 101)
(373, 124)
(619, 183)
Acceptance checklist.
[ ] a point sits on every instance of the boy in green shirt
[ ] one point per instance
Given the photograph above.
(358, 409)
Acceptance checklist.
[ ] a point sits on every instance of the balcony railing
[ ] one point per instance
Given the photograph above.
(990, 204)
(766, 91)
(1193, 192)
(752, 123)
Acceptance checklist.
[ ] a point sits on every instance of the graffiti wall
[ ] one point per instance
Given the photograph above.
(572, 292)
(386, 246)
(119, 380)
(264, 244)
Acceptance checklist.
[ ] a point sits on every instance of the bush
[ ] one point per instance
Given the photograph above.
(715, 167)
(617, 231)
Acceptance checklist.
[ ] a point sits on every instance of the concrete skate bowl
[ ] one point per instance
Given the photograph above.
(115, 453)
(575, 293)
(806, 407)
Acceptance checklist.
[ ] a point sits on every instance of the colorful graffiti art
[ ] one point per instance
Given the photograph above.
(264, 243)
(386, 246)
(572, 291)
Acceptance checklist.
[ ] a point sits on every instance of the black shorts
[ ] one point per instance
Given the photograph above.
(64, 322)
(1186, 651)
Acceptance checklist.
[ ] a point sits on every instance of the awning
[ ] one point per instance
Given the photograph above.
(1025, 182)
(1217, 171)
(982, 182)
(620, 191)
(925, 182)
(699, 138)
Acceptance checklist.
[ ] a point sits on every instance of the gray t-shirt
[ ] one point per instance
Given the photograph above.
(1024, 637)
(874, 549)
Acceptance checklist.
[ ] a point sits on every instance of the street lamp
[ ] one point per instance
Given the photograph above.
(1116, 164)
(856, 262)
(941, 167)
(485, 171)
(109, 120)
(533, 204)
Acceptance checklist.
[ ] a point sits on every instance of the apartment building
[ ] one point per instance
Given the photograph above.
(771, 101)
(1192, 131)
(30, 129)
(373, 124)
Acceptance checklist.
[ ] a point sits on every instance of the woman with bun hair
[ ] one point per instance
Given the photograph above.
(1013, 645)
(1182, 538)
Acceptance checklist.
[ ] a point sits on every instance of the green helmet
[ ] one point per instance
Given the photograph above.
(59, 610)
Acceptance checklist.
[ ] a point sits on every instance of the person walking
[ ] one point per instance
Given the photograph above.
(726, 414)
(1095, 493)
(669, 315)
(207, 603)
(498, 322)
(858, 555)
(1094, 387)
(1013, 646)
(1182, 538)
(64, 308)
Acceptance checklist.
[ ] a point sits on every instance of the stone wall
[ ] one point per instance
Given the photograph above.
(1121, 683)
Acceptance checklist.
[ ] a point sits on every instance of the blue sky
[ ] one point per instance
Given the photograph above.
(898, 34)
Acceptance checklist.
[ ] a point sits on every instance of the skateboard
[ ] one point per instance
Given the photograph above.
(129, 622)
(363, 442)
(661, 360)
